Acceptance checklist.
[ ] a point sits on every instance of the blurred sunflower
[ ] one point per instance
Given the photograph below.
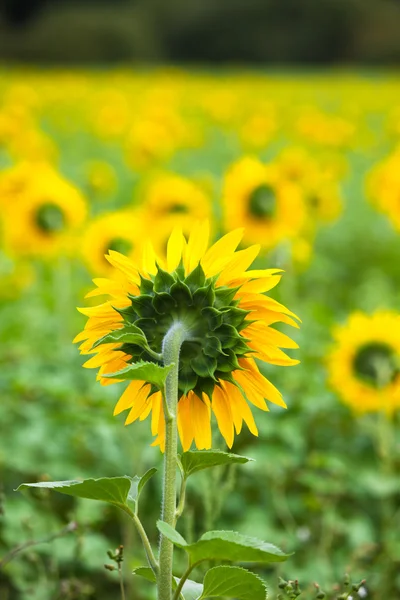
(383, 187)
(227, 319)
(121, 231)
(42, 214)
(364, 366)
(255, 196)
(101, 177)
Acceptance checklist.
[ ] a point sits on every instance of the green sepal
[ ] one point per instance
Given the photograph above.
(206, 385)
(127, 313)
(234, 316)
(187, 379)
(224, 296)
(149, 372)
(229, 362)
(181, 294)
(163, 281)
(204, 365)
(142, 305)
(212, 346)
(148, 326)
(196, 279)
(146, 286)
(213, 316)
(227, 335)
(193, 461)
(163, 303)
(204, 296)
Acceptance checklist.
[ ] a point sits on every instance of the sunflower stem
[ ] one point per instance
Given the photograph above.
(171, 349)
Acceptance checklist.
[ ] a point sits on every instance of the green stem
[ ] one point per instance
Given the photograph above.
(184, 578)
(171, 348)
(151, 559)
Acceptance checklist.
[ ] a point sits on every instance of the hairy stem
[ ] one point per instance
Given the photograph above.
(171, 349)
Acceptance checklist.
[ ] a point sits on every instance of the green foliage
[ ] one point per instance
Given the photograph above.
(233, 582)
(197, 460)
(143, 371)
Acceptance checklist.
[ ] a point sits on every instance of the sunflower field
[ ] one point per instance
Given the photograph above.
(306, 166)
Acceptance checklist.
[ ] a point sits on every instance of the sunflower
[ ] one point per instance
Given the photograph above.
(121, 231)
(364, 367)
(42, 214)
(383, 187)
(229, 322)
(255, 196)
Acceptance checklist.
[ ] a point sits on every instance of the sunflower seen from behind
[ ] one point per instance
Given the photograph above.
(229, 323)
(364, 365)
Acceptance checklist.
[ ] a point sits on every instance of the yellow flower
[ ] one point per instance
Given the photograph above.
(229, 321)
(364, 366)
(101, 177)
(383, 187)
(42, 213)
(255, 197)
(121, 231)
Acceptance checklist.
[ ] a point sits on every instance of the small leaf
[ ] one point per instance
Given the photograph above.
(171, 534)
(143, 371)
(128, 335)
(145, 572)
(232, 546)
(193, 461)
(138, 484)
(233, 582)
(113, 490)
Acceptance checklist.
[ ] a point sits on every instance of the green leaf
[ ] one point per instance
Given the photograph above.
(130, 334)
(193, 461)
(146, 573)
(233, 582)
(113, 490)
(143, 371)
(229, 545)
(191, 589)
(171, 534)
(138, 484)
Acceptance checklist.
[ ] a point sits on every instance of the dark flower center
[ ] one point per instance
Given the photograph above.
(262, 201)
(177, 208)
(119, 244)
(50, 218)
(376, 364)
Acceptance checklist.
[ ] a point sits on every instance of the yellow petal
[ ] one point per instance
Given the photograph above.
(261, 383)
(128, 397)
(239, 263)
(270, 337)
(197, 246)
(201, 422)
(223, 415)
(149, 259)
(185, 425)
(156, 410)
(175, 247)
(140, 405)
(252, 393)
(239, 404)
(221, 252)
(259, 286)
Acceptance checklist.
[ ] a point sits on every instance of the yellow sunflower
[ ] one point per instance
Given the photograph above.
(383, 187)
(364, 366)
(255, 196)
(121, 231)
(43, 214)
(228, 319)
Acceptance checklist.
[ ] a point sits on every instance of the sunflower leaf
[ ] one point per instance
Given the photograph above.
(143, 371)
(233, 582)
(113, 490)
(130, 334)
(225, 545)
(193, 461)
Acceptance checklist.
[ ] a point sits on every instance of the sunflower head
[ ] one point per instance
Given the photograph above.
(364, 366)
(227, 321)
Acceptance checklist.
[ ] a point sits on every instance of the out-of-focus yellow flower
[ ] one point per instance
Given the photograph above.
(257, 198)
(43, 216)
(120, 231)
(15, 276)
(327, 130)
(383, 187)
(364, 366)
(101, 177)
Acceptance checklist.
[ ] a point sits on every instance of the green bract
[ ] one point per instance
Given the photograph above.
(211, 318)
